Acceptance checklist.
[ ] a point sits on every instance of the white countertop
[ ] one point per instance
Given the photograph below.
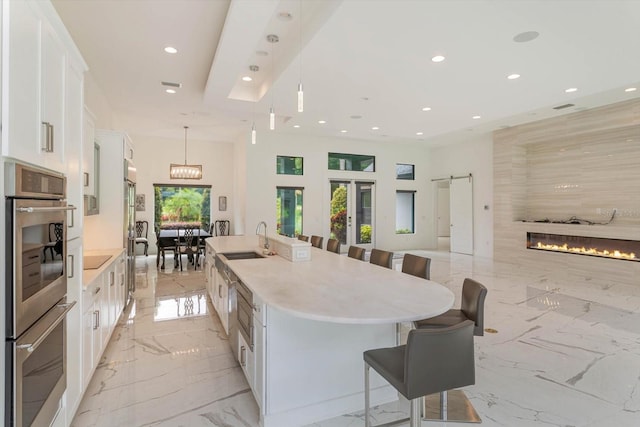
(89, 276)
(335, 288)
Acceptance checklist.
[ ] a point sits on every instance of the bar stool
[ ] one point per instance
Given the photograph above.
(471, 308)
(356, 252)
(333, 245)
(415, 265)
(432, 361)
(380, 257)
(316, 241)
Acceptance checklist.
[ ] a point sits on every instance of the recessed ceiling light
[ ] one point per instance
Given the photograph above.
(426, 108)
(343, 131)
(630, 89)
(356, 116)
(438, 58)
(246, 79)
(170, 49)
(375, 128)
(296, 126)
(170, 91)
(419, 133)
(571, 89)
(476, 117)
(262, 53)
(527, 36)
(513, 76)
(322, 122)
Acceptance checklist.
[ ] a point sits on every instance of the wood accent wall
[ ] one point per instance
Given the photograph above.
(582, 164)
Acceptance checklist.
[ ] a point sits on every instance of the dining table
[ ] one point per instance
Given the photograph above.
(167, 239)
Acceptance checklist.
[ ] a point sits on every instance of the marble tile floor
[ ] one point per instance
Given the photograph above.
(566, 353)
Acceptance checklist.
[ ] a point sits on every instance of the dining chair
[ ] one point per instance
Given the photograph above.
(415, 265)
(382, 258)
(432, 361)
(333, 245)
(316, 241)
(471, 308)
(187, 243)
(55, 243)
(221, 228)
(303, 237)
(356, 252)
(142, 235)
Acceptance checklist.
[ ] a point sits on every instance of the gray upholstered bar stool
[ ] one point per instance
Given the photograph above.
(333, 245)
(356, 252)
(471, 308)
(416, 266)
(316, 241)
(303, 237)
(432, 361)
(380, 257)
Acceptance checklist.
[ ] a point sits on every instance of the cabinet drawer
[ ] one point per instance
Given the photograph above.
(31, 257)
(91, 293)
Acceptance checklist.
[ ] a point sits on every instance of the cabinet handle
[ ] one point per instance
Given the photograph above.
(253, 337)
(71, 270)
(96, 319)
(220, 291)
(47, 138)
(112, 278)
(86, 179)
(72, 222)
(121, 279)
(97, 290)
(243, 356)
(51, 147)
(131, 153)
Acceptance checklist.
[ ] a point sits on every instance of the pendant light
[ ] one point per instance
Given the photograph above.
(300, 92)
(253, 133)
(272, 38)
(185, 171)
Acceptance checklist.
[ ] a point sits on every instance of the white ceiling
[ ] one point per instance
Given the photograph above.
(370, 58)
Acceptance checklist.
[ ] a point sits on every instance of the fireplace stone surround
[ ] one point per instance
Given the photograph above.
(582, 164)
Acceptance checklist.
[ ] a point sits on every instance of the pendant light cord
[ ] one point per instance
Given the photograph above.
(185, 144)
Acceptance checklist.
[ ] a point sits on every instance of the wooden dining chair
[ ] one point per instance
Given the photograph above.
(142, 235)
(380, 257)
(187, 243)
(356, 252)
(303, 237)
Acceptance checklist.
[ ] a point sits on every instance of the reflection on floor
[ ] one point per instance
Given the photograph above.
(566, 353)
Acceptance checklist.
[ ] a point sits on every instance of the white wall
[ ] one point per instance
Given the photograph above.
(261, 182)
(473, 155)
(152, 158)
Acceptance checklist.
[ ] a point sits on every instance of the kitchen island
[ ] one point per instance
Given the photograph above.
(312, 320)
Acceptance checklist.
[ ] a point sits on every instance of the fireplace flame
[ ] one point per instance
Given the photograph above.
(587, 251)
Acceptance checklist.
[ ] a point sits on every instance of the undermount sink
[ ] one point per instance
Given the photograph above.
(231, 256)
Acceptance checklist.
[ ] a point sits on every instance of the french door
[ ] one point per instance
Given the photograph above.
(352, 213)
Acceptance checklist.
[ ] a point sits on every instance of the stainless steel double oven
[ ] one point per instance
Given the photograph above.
(36, 287)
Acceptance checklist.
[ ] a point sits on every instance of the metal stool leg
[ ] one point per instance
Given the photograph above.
(367, 415)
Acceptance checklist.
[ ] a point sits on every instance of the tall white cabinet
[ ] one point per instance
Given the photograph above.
(42, 114)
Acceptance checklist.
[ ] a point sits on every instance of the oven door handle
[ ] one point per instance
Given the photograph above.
(31, 209)
(30, 347)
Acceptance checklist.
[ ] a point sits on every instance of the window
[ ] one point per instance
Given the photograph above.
(179, 205)
(404, 171)
(352, 162)
(287, 165)
(405, 205)
(289, 211)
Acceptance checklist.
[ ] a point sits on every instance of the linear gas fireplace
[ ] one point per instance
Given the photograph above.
(628, 250)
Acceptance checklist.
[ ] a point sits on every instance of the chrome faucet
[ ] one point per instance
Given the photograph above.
(266, 239)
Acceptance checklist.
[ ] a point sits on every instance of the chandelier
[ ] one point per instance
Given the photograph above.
(185, 171)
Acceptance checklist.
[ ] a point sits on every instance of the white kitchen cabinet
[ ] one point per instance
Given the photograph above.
(74, 325)
(260, 343)
(36, 51)
(246, 358)
(92, 332)
(88, 158)
(73, 149)
(121, 284)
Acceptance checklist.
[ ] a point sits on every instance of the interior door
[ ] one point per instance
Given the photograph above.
(461, 214)
(352, 213)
